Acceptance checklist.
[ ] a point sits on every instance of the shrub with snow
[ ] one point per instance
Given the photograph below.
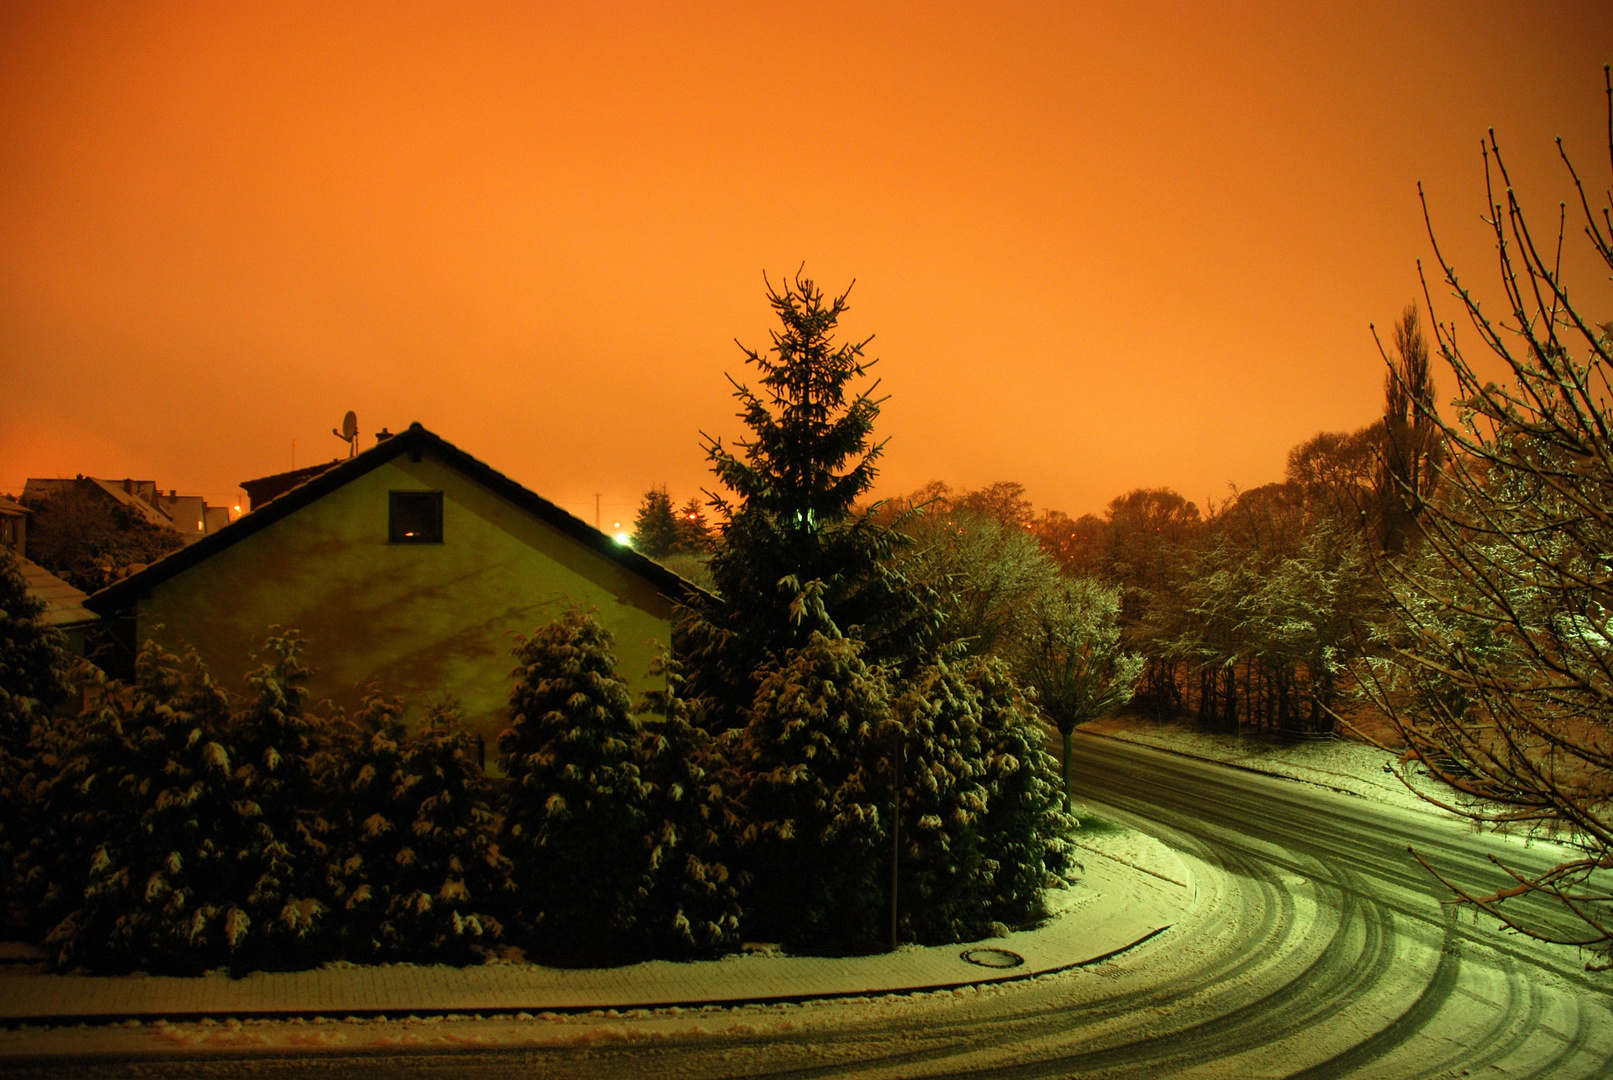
(172, 850)
(945, 879)
(417, 874)
(575, 808)
(815, 800)
(693, 906)
(1024, 834)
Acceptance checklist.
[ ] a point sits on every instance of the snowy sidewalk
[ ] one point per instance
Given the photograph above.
(1123, 898)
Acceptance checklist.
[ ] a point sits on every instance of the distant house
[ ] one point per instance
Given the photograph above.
(138, 495)
(13, 525)
(187, 512)
(188, 515)
(413, 565)
(64, 605)
(266, 488)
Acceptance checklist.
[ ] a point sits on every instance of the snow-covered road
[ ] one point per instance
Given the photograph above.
(1319, 948)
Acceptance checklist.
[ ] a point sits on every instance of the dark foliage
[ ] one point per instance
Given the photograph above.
(814, 769)
(85, 538)
(693, 906)
(655, 529)
(417, 873)
(790, 512)
(576, 807)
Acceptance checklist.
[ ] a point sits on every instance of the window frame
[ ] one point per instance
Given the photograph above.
(395, 498)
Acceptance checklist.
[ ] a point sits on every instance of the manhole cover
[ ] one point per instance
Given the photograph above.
(993, 958)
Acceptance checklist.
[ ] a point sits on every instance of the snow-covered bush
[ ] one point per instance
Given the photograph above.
(575, 817)
(815, 799)
(1024, 834)
(284, 768)
(944, 879)
(34, 668)
(693, 906)
(151, 798)
(417, 874)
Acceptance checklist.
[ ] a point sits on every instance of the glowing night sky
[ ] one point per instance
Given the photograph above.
(1101, 246)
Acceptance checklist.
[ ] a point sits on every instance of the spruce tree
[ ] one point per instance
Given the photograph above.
(790, 511)
(655, 530)
(815, 798)
(419, 875)
(33, 660)
(694, 531)
(574, 810)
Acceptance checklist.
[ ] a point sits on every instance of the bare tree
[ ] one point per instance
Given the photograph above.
(1500, 672)
(1071, 656)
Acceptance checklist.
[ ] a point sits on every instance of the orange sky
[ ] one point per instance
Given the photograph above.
(1101, 246)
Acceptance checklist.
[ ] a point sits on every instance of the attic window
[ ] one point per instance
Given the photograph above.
(414, 517)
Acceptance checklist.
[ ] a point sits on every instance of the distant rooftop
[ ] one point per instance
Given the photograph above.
(64, 605)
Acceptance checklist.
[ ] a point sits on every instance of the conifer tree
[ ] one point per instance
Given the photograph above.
(33, 661)
(1024, 834)
(945, 883)
(283, 767)
(575, 820)
(694, 531)
(693, 907)
(790, 511)
(33, 682)
(153, 800)
(419, 872)
(815, 797)
(655, 530)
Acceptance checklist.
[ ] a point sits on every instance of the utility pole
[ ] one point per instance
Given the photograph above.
(596, 509)
(896, 829)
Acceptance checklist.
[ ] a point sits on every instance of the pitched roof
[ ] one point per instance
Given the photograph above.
(40, 488)
(264, 488)
(133, 502)
(64, 605)
(121, 595)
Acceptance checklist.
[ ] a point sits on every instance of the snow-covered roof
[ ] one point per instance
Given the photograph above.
(64, 605)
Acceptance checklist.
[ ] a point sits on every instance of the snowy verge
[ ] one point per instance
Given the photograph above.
(1136, 850)
(1340, 765)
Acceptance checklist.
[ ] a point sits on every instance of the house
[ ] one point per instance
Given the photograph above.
(140, 496)
(188, 515)
(64, 605)
(13, 524)
(187, 512)
(412, 565)
(265, 488)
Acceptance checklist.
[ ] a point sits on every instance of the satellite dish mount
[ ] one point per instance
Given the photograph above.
(349, 432)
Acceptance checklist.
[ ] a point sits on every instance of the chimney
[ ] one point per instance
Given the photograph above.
(382, 436)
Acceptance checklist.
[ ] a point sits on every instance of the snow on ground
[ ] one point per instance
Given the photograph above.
(1128, 847)
(1338, 764)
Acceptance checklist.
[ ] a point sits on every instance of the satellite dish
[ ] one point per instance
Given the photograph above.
(349, 432)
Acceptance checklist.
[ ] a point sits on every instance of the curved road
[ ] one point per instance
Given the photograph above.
(1319, 948)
